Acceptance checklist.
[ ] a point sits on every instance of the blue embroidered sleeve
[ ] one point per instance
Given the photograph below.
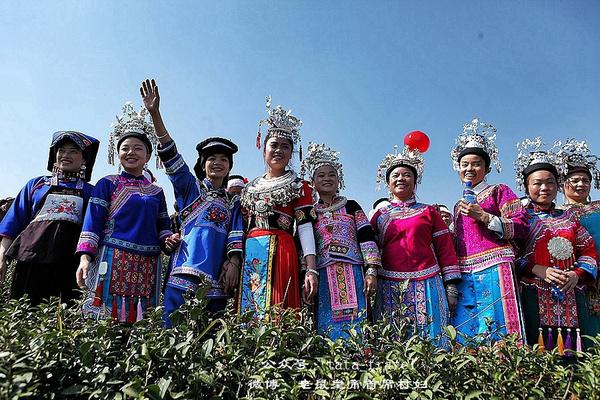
(164, 223)
(183, 180)
(236, 233)
(22, 210)
(96, 216)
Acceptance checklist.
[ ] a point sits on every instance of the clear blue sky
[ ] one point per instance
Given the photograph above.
(359, 74)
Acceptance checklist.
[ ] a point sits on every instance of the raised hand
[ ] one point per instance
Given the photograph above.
(150, 95)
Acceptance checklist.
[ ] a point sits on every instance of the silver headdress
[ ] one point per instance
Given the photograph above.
(577, 155)
(410, 157)
(135, 124)
(281, 124)
(479, 136)
(531, 152)
(319, 155)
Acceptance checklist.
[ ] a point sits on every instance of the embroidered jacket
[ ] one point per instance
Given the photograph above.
(575, 245)
(588, 216)
(29, 200)
(125, 212)
(345, 235)
(478, 246)
(415, 242)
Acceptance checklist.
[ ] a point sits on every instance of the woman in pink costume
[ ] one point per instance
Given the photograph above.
(416, 246)
(488, 306)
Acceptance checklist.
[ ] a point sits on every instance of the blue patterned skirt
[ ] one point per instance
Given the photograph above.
(488, 305)
(426, 306)
(348, 295)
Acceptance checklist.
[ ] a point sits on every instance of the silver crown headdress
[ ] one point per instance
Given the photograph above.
(530, 152)
(478, 135)
(407, 156)
(129, 122)
(576, 154)
(318, 156)
(281, 124)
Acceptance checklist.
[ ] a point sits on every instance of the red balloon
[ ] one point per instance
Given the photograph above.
(417, 140)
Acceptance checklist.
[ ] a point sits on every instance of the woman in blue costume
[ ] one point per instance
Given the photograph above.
(347, 255)
(211, 221)
(41, 228)
(125, 227)
(582, 170)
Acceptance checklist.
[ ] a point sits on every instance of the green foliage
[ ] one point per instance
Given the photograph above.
(53, 352)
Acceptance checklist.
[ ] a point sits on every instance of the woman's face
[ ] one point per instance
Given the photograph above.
(577, 187)
(133, 155)
(216, 166)
(472, 168)
(542, 187)
(326, 180)
(69, 157)
(278, 153)
(402, 183)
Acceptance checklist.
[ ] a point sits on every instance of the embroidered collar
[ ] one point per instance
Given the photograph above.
(55, 180)
(536, 208)
(480, 187)
(569, 205)
(208, 185)
(338, 202)
(129, 176)
(211, 192)
(403, 204)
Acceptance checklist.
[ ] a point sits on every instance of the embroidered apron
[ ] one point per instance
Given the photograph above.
(52, 235)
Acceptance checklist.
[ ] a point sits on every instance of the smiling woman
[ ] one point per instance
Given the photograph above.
(41, 228)
(125, 227)
(488, 307)
(416, 247)
(558, 258)
(582, 172)
(211, 219)
(277, 204)
(347, 255)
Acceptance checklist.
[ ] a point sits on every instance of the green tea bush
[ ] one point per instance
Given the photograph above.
(53, 352)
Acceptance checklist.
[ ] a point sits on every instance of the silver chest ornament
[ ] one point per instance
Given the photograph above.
(262, 195)
(560, 248)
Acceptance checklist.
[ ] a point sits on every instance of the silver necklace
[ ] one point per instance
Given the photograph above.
(261, 195)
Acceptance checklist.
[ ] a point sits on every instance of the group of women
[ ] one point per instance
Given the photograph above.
(504, 265)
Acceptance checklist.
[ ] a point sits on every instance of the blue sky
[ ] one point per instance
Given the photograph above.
(359, 74)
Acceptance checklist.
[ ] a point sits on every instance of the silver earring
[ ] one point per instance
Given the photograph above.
(82, 171)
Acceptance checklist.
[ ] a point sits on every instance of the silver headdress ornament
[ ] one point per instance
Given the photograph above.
(407, 156)
(281, 124)
(318, 156)
(130, 122)
(530, 152)
(476, 135)
(576, 154)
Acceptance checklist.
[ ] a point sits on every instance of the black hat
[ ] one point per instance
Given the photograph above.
(478, 151)
(88, 145)
(406, 165)
(134, 134)
(541, 166)
(210, 146)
